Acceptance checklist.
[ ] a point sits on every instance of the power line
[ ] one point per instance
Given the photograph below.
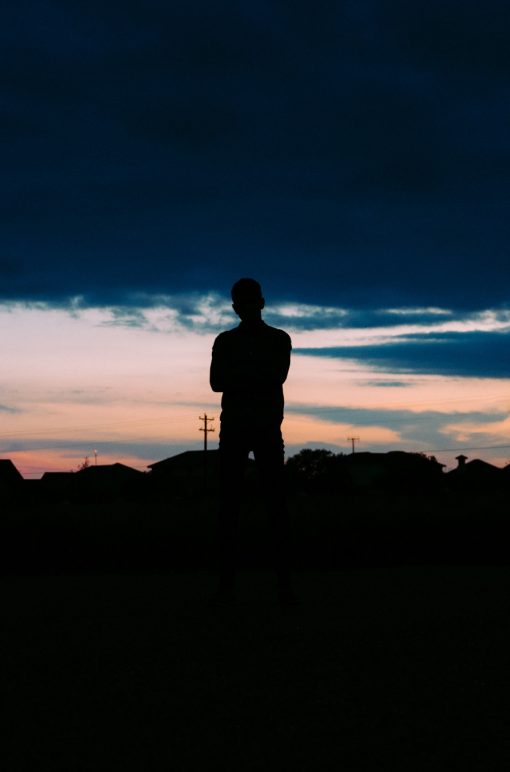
(455, 400)
(473, 447)
(95, 428)
(147, 422)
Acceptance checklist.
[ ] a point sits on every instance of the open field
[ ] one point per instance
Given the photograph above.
(328, 531)
(403, 667)
(397, 656)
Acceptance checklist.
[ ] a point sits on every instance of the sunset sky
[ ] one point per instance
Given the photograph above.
(354, 157)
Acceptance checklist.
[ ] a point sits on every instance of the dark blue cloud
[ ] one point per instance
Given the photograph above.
(355, 155)
(477, 354)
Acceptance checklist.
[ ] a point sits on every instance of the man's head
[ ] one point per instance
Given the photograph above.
(247, 299)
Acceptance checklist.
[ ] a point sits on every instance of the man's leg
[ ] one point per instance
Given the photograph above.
(233, 456)
(269, 455)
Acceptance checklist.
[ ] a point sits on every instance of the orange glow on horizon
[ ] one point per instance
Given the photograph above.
(72, 382)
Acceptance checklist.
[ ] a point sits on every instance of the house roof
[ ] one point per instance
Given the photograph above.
(186, 460)
(109, 470)
(394, 459)
(478, 466)
(57, 478)
(8, 472)
(476, 469)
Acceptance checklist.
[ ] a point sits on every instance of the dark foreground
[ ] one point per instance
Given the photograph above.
(378, 668)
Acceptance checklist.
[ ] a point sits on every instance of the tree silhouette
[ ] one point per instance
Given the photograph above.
(312, 469)
(84, 464)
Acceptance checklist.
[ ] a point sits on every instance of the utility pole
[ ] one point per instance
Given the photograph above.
(205, 429)
(353, 440)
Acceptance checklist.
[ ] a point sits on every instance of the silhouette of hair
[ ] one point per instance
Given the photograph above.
(246, 291)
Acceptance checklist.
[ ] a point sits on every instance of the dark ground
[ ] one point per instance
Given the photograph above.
(381, 667)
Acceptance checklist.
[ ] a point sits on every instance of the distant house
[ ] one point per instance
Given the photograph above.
(183, 463)
(60, 484)
(505, 477)
(107, 479)
(475, 475)
(396, 471)
(10, 477)
(186, 471)
(366, 470)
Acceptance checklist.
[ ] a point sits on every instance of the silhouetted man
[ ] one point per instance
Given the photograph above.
(249, 365)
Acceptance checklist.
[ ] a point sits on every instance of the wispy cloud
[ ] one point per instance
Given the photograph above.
(406, 429)
(9, 409)
(312, 325)
(106, 451)
(388, 384)
(488, 430)
(422, 312)
(303, 316)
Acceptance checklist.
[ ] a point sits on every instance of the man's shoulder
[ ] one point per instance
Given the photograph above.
(273, 334)
(225, 336)
(279, 336)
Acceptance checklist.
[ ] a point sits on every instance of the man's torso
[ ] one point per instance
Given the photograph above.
(251, 363)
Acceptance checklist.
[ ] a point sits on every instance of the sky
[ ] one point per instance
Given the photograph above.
(354, 157)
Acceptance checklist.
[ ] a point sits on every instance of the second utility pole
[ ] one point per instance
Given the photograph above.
(353, 440)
